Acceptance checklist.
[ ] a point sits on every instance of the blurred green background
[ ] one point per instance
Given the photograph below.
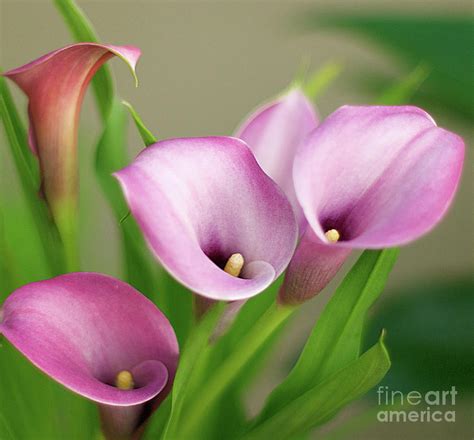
(206, 64)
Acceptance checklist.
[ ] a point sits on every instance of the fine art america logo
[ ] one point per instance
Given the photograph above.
(430, 406)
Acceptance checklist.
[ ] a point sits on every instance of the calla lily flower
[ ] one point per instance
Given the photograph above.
(98, 337)
(55, 85)
(210, 214)
(274, 132)
(368, 177)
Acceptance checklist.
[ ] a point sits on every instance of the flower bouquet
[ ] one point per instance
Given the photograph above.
(224, 239)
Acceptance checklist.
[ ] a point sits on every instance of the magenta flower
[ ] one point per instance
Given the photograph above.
(274, 132)
(368, 177)
(55, 85)
(98, 337)
(210, 214)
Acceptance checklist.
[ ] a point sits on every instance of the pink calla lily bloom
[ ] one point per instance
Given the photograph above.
(98, 337)
(367, 177)
(55, 85)
(210, 214)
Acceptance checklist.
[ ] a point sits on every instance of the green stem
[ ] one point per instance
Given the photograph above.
(71, 253)
(275, 316)
(66, 221)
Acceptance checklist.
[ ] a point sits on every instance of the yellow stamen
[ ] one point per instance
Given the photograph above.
(332, 235)
(124, 380)
(234, 265)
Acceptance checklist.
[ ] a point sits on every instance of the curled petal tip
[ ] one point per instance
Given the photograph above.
(129, 54)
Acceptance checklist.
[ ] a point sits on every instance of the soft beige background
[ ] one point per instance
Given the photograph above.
(205, 65)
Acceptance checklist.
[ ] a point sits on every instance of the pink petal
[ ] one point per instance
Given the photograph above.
(200, 200)
(82, 329)
(274, 132)
(381, 176)
(55, 85)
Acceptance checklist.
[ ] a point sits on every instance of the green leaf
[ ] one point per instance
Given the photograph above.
(25, 160)
(415, 39)
(7, 272)
(51, 411)
(191, 368)
(230, 370)
(82, 30)
(147, 135)
(158, 421)
(316, 404)
(175, 301)
(28, 174)
(111, 155)
(227, 414)
(336, 338)
(6, 432)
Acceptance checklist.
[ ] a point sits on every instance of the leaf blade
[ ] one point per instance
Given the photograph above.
(28, 174)
(336, 337)
(147, 136)
(320, 402)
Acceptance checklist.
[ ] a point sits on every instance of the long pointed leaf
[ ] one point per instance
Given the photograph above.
(191, 367)
(336, 338)
(225, 375)
(315, 405)
(7, 271)
(147, 136)
(111, 155)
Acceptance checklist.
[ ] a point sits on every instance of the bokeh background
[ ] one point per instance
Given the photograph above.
(206, 64)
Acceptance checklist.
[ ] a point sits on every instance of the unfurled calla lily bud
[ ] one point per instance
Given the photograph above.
(210, 214)
(55, 85)
(98, 337)
(368, 178)
(274, 132)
